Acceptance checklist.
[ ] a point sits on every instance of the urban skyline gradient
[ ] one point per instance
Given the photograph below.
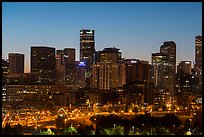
(138, 28)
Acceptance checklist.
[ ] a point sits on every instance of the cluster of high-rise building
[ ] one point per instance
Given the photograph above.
(102, 76)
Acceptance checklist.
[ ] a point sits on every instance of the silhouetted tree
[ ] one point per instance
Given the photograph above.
(18, 129)
(8, 130)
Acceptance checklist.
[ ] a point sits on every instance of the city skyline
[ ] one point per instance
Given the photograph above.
(127, 26)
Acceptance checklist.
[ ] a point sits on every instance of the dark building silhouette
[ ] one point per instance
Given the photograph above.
(16, 63)
(184, 66)
(43, 62)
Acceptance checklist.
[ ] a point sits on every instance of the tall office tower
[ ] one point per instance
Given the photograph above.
(184, 67)
(16, 63)
(43, 62)
(70, 68)
(198, 52)
(60, 68)
(169, 48)
(137, 74)
(80, 74)
(110, 55)
(87, 50)
(137, 70)
(5, 71)
(108, 73)
(198, 60)
(66, 67)
(160, 76)
(160, 69)
(184, 83)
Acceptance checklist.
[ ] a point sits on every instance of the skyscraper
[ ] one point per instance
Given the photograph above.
(184, 83)
(60, 68)
(70, 68)
(198, 52)
(16, 63)
(110, 55)
(5, 71)
(87, 50)
(198, 60)
(87, 46)
(160, 76)
(136, 70)
(66, 68)
(108, 72)
(160, 69)
(169, 48)
(43, 62)
(184, 67)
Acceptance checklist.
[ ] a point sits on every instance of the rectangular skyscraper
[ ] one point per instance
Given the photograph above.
(66, 68)
(16, 63)
(184, 67)
(43, 62)
(87, 46)
(198, 51)
(108, 72)
(87, 50)
(198, 61)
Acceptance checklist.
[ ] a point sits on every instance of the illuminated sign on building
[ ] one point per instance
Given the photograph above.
(82, 64)
(133, 61)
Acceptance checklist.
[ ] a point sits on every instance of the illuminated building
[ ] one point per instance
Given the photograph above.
(70, 68)
(5, 71)
(109, 72)
(198, 61)
(16, 63)
(66, 68)
(22, 92)
(160, 69)
(184, 83)
(108, 76)
(80, 74)
(137, 80)
(60, 68)
(87, 50)
(110, 55)
(160, 77)
(198, 52)
(43, 62)
(185, 67)
(169, 48)
(164, 70)
(136, 70)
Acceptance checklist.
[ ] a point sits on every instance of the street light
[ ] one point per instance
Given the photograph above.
(65, 121)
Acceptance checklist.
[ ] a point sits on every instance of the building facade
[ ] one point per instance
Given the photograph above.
(87, 51)
(184, 66)
(16, 63)
(5, 72)
(43, 62)
(108, 73)
(198, 61)
(21, 92)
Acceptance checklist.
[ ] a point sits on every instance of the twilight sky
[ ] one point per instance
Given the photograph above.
(137, 28)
